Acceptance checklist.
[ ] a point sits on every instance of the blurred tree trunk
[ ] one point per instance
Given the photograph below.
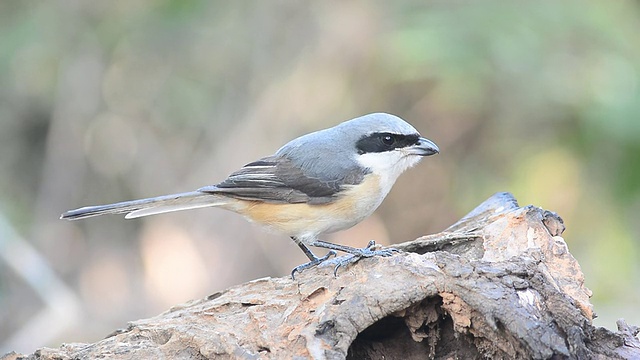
(500, 284)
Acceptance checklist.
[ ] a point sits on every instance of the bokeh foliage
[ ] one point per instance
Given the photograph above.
(107, 101)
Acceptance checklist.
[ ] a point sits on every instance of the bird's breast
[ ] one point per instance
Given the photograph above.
(352, 205)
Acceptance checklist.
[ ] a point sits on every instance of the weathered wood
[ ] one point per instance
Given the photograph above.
(500, 283)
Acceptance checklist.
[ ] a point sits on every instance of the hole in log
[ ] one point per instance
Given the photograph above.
(390, 338)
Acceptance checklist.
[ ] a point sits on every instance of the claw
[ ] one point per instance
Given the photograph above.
(364, 253)
(312, 263)
(345, 262)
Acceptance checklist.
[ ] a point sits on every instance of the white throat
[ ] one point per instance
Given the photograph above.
(388, 166)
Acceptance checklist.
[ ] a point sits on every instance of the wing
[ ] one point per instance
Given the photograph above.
(277, 179)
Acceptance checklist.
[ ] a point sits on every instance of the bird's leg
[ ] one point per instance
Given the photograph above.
(368, 251)
(314, 260)
(358, 253)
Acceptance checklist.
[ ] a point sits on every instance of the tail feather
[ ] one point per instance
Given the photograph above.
(151, 206)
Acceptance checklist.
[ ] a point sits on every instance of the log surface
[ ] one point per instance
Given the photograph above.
(500, 284)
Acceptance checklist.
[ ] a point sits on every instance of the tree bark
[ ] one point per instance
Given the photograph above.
(500, 284)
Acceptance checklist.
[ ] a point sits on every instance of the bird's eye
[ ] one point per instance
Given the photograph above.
(388, 139)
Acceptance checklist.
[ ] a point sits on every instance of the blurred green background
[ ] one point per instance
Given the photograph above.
(109, 101)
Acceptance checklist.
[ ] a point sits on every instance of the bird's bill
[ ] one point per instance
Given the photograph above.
(424, 147)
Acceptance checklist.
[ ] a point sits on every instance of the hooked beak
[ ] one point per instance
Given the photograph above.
(424, 147)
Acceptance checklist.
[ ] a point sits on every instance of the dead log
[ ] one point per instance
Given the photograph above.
(500, 284)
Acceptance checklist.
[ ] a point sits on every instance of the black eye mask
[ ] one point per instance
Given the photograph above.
(381, 142)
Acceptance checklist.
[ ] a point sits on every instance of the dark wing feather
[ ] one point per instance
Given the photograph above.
(278, 180)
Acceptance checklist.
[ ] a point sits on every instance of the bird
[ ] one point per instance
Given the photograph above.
(322, 182)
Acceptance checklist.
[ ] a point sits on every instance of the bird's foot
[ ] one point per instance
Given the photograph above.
(316, 261)
(371, 250)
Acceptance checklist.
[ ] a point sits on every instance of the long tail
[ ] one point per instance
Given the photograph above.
(151, 206)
